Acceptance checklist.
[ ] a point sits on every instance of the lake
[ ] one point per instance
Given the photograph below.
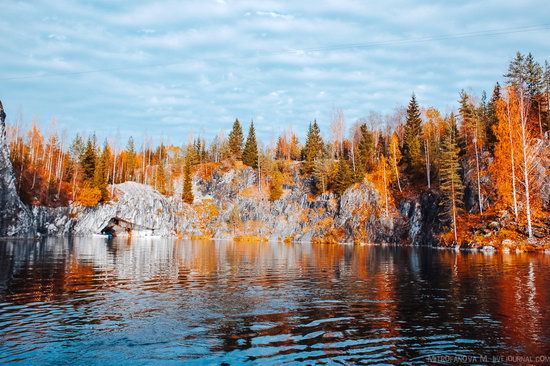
(93, 301)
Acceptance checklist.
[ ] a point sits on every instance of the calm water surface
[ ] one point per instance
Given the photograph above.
(92, 301)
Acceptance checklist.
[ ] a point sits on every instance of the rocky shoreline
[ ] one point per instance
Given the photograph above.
(230, 205)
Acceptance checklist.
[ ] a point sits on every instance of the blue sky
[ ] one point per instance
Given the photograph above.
(271, 61)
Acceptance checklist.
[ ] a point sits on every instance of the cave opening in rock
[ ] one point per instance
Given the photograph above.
(117, 227)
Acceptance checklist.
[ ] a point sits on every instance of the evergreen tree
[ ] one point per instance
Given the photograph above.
(88, 162)
(381, 146)
(77, 148)
(533, 77)
(343, 177)
(365, 153)
(516, 70)
(236, 140)
(313, 148)
(492, 119)
(101, 174)
(451, 183)
(469, 122)
(131, 159)
(412, 144)
(187, 194)
(250, 152)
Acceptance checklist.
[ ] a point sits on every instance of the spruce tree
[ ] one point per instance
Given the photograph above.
(131, 159)
(365, 153)
(101, 172)
(313, 148)
(412, 144)
(236, 140)
(516, 70)
(250, 152)
(88, 162)
(492, 119)
(187, 194)
(343, 177)
(533, 77)
(451, 182)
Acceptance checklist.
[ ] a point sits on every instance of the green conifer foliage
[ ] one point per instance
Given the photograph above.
(343, 177)
(451, 182)
(88, 162)
(250, 152)
(412, 144)
(313, 148)
(236, 141)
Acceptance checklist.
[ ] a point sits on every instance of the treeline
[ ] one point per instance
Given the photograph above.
(491, 154)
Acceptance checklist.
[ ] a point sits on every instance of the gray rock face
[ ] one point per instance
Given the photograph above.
(220, 201)
(15, 217)
(137, 209)
(424, 218)
(355, 216)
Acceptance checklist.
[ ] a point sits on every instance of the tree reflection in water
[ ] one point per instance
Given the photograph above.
(92, 301)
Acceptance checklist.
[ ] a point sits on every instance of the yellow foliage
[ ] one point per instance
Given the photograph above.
(89, 197)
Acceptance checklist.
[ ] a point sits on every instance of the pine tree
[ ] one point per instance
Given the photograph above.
(343, 177)
(516, 70)
(313, 148)
(412, 144)
(88, 162)
(451, 182)
(533, 77)
(101, 174)
(365, 153)
(131, 159)
(236, 140)
(492, 119)
(250, 152)
(187, 194)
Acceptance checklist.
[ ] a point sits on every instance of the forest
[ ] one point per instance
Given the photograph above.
(487, 158)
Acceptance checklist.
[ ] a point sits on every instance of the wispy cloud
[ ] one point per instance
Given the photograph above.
(171, 67)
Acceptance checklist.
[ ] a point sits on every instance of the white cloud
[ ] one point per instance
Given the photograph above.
(217, 60)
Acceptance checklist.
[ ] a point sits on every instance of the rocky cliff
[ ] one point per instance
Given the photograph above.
(228, 204)
(15, 218)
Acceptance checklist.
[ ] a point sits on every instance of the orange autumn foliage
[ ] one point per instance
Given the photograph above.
(89, 196)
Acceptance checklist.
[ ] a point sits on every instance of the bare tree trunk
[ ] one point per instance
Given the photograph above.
(512, 158)
(540, 122)
(385, 187)
(353, 156)
(60, 176)
(396, 170)
(259, 175)
(454, 208)
(479, 197)
(523, 122)
(427, 162)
